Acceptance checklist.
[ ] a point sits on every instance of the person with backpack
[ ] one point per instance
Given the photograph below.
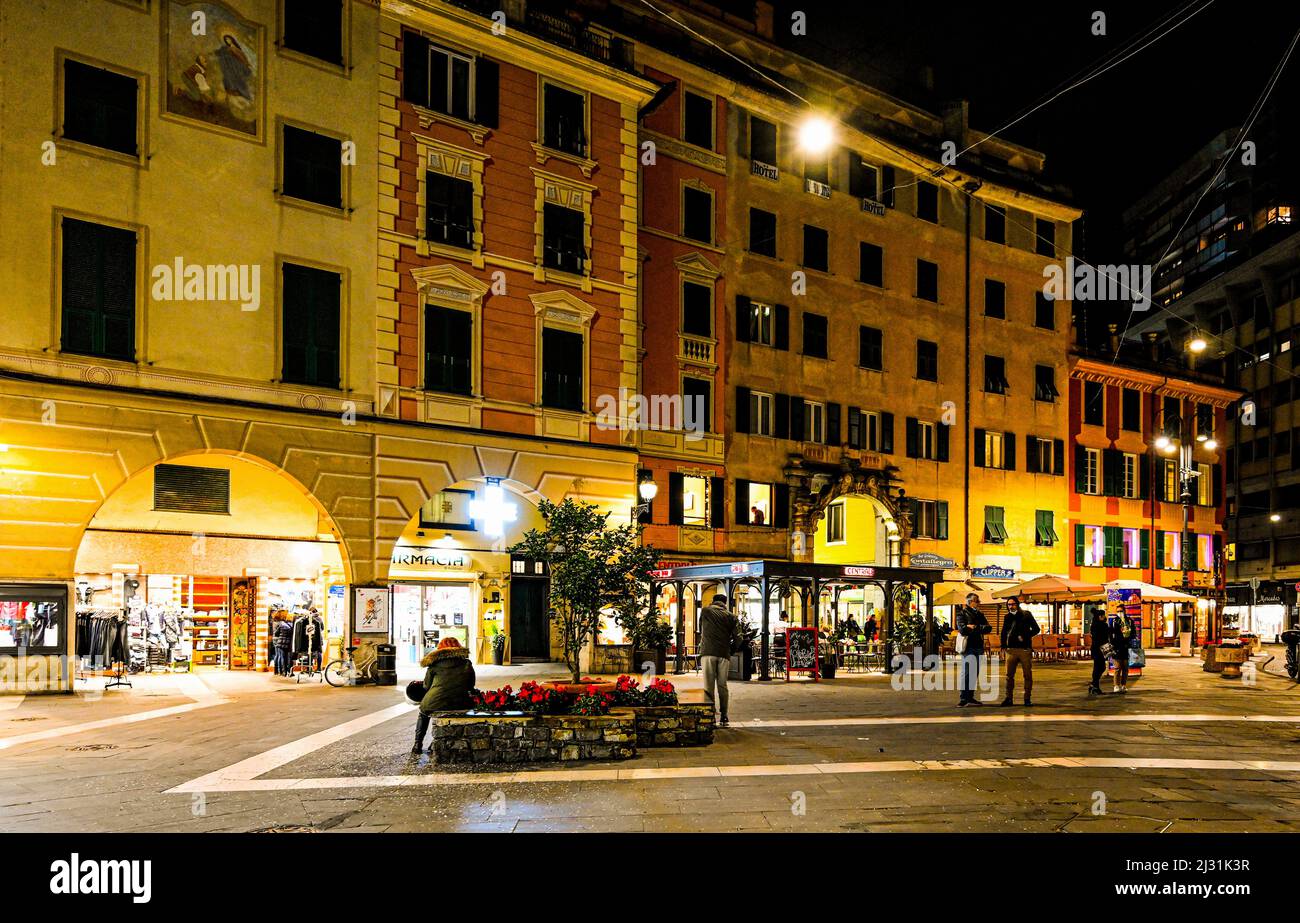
(1121, 637)
(1018, 630)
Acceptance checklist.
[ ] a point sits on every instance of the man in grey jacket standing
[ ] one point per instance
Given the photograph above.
(717, 625)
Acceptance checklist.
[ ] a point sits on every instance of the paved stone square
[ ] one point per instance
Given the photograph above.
(1183, 751)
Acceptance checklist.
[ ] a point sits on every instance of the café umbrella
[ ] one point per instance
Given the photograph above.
(1150, 592)
(1050, 589)
(1054, 590)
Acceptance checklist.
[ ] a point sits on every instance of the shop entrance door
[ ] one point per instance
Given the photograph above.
(424, 614)
(530, 636)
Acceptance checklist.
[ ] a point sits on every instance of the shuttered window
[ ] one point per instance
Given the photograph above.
(191, 489)
(98, 290)
(315, 27)
(310, 325)
(313, 167)
(99, 107)
(449, 82)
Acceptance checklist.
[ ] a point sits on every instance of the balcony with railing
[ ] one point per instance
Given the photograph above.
(571, 33)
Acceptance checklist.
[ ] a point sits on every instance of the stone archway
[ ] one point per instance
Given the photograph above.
(813, 491)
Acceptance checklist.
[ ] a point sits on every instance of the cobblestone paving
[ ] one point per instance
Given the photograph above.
(117, 777)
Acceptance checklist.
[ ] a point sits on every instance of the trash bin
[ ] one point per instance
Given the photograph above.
(386, 664)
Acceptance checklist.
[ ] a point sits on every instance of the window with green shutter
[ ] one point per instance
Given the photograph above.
(310, 325)
(995, 530)
(98, 290)
(1045, 528)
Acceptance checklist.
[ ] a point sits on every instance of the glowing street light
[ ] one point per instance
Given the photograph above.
(1162, 442)
(1211, 444)
(815, 135)
(1276, 517)
(1197, 344)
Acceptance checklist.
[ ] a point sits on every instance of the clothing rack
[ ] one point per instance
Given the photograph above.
(118, 676)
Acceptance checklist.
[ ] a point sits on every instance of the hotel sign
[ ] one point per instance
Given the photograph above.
(765, 170)
(871, 205)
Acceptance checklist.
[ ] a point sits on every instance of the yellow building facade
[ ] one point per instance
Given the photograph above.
(180, 451)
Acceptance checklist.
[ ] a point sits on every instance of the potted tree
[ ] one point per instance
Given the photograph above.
(742, 649)
(650, 636)
(499, 648)
(593, 567)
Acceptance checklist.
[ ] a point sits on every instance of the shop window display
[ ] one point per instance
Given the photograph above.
(32, 618)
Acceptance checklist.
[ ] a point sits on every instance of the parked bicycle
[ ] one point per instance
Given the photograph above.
(348, 671)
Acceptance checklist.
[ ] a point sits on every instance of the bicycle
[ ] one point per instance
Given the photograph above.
(346, 671)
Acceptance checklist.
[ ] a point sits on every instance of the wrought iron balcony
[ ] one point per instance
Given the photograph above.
(566, 32)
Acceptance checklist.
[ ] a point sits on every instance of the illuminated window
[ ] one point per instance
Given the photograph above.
(1170, 558)
(695, 500)
(814, 422)
(1205, 485)
(1093, 546)
(1092, 471)
(1130, 475)
(1132, 548)
(760, 504)
(1204, 552)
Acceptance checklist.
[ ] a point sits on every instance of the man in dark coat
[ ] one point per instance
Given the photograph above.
(717, 625)
(1018, 630)
(973, 626)
(448, 681)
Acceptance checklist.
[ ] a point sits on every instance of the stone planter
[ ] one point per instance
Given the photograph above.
(500, 739)
(674, 725)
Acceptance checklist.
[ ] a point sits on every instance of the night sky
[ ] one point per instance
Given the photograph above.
(1108, 140)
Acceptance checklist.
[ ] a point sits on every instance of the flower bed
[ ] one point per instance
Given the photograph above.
(486, 739)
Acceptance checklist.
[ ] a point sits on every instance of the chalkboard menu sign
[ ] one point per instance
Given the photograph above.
(801, 651)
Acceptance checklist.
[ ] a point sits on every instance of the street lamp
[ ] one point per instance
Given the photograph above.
(646, 489)
(815, 135)
(1197, 344)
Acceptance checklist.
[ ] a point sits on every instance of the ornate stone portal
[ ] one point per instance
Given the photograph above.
(813, 487)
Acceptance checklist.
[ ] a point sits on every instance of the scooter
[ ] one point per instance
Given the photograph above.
(1291, 638)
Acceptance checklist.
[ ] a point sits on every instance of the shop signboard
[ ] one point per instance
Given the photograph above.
(801, 652)
(1128, 601)
(370, 609)
(931, 560)
(993, 572)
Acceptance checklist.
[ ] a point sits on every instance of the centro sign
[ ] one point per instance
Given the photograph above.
(854, 571)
